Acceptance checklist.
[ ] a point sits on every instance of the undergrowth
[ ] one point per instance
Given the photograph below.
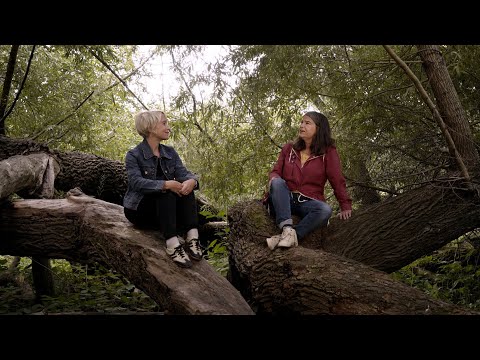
(86, 288)
(451, 274)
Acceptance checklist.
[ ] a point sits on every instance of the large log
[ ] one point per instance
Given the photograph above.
(305, 281)
(82, 228)
(102, 178)
(392, 234)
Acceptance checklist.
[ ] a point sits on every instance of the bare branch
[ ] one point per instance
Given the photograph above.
(116, 75)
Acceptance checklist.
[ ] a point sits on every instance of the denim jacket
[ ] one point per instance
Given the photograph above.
(141, 167)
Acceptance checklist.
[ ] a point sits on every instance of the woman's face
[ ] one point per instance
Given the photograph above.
(308, 129)
(161, 130)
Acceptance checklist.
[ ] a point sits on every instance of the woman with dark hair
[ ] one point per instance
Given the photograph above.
(298, 179)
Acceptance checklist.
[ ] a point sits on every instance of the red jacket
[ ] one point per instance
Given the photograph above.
(310, 180)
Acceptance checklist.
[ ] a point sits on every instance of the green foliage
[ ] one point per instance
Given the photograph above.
(87, 288)
(78, 288)
(217, 253)
(451, 274)
(71, 101)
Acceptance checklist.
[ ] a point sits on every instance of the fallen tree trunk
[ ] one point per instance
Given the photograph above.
(34, 174)
(392, 234)
(102, 178)
(83, 229)
(386, 236)
(305, 281)
(389, 235)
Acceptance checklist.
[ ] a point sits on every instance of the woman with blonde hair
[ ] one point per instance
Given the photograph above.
(160, 189)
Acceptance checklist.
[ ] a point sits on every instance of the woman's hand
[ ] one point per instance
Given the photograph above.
(173, 186)
(345, 214)
(188, 186)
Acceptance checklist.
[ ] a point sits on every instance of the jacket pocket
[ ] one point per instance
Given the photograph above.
(148, 172)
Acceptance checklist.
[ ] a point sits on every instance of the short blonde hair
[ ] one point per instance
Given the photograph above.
(145, 121)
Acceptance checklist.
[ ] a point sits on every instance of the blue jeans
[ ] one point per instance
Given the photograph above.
(313, 213)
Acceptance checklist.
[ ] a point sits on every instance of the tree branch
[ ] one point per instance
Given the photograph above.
(21, 86)
(175, 64)
(116, 75)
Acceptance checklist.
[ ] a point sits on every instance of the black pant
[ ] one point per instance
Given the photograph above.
(168, 212)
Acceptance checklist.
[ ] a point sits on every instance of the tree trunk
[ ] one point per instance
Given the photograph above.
(42, 277)
(7, 84)
(449, 104)
(303, 281)
(83, 229)
(392, 234)
(362, 192)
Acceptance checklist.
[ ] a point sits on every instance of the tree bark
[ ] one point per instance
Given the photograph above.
(83, 229)
(364, 195)
(392, 234)
(449, 105)
(303, 281)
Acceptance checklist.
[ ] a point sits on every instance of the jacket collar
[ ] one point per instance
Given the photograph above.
(296, 155)
(147, 151)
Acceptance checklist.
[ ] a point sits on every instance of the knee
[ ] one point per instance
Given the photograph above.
(277, 183)
(324, 209)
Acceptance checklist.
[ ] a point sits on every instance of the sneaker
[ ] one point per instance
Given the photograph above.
(181, 240)
(272, 242)
(179, 256)
(289, 237)
(194, 249)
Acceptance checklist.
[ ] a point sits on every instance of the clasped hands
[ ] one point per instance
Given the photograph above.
(181, 189)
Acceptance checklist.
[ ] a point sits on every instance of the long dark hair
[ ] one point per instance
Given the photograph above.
(323, 137)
